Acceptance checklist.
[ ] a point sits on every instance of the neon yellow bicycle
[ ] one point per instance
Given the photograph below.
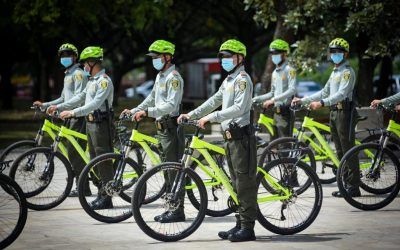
(45, 174)
(147, 151)
(379, 169)
(283, 211)
(48, 127)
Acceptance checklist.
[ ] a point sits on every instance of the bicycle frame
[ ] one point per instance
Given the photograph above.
(221, 178)
(70, 135)
(143, 141)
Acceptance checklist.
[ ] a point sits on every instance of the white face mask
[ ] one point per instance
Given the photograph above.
(276, 59)
(158, 64)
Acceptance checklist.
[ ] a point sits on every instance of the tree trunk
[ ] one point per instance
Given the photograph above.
(385, 81)
(281, 32)
(364, 85)
(6, 87)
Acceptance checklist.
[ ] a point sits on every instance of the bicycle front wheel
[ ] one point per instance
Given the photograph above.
(116, 194)
(13, 211)
(292, 213)
(379, 178)
(147, 216)
(44, 176)
(16, 149)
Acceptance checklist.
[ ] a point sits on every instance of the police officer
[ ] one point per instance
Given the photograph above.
(164, 104)
(338, 96)
(283, 89)
(235, 117)
(97, 109)
(74, 83)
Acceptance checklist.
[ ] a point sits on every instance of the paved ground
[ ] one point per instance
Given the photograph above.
(338, 226)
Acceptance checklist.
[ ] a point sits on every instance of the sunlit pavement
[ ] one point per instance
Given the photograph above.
(338, 226)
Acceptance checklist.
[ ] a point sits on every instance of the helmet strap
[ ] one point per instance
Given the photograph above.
(165, 62)
(237, 65)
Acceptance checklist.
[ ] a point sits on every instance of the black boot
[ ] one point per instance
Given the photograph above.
(243, 234)
(353, 192)
(172, 216)
(225, 234)
(158, 217)
(102, 202)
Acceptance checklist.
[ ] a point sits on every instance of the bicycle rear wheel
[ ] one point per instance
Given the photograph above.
(44, 176)
(379, 181)
(288, 147)
(118, 193)
(296, 212)
(146, 214)
(13, 211)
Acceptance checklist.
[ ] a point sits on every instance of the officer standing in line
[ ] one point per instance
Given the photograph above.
(97, 109)
(235, 96)
(283, 89)
(163, 104)
(74, 83)
(338, 95)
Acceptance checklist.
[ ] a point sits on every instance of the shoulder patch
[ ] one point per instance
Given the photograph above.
(292, 73)
(346, 75)
(242, 85)
(104, 84)
(79, 76)
(175, 83)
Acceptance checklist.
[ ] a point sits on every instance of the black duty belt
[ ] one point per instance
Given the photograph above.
(344, 105)
(167, 123)
(237, 133)
(281, 109)
(98, 116)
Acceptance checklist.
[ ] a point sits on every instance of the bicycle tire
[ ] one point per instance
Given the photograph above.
(138, 197)
(390, 192)
(12, 188)
(35, 197)
(124, 209)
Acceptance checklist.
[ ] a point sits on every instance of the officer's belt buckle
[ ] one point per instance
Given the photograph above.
(339, 105)
(278, 109)
(228, 135)
(90, 117)
(159, 125)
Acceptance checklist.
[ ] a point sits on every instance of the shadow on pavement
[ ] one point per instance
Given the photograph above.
(303, 237)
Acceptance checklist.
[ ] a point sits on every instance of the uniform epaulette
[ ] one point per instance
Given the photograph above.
(105, 75)
(243, 73)
(174, 72)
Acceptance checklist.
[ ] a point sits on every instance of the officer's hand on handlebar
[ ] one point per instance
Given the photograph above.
(296, 101)
(397, 108)
(183, 117)
(125, 114)
(202, 122)
(268, 103)
(37, 103)
(66, 114)
(51, 109)
(139, 115)
(375, 103)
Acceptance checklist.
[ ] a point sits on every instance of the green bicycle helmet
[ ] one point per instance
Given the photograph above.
(67, 47)
(232, 46)
(279, 45)
(339, 43)
(91, 52)
(161, 47)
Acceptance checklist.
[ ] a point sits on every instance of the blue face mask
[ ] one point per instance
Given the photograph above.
(66, 61)
(86, 71)
(276, 59)
(227, 64)
(158, 64)
(337, 57)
